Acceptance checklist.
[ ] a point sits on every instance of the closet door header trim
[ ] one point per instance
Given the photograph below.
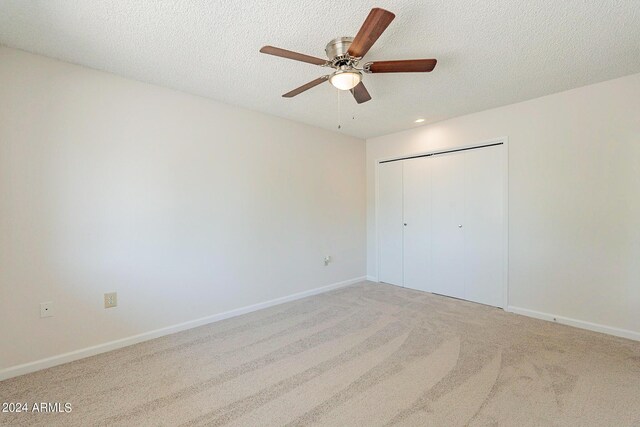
(492, 143)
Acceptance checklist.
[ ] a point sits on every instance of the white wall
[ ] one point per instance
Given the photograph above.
(574, 198)
(184, 206)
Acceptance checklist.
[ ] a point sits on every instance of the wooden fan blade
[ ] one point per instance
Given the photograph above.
(283, 53)
(375, 24)
(307, 86)
(360, 93)
(404, 66)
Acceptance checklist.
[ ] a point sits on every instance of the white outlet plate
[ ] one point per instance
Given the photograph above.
(46, 309)
(111, 300)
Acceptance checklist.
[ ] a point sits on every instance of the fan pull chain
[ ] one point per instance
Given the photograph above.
(339, 111)
(353, 110)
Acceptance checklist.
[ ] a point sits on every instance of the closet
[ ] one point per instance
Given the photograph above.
(441, 223)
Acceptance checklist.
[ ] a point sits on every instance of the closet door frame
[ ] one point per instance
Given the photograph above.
(504, 141)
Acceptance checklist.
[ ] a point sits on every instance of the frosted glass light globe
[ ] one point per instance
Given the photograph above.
(345, 80)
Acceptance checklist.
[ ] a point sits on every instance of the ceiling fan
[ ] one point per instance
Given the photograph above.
(345, 53)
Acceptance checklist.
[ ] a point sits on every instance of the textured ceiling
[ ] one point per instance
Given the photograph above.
(490, 52)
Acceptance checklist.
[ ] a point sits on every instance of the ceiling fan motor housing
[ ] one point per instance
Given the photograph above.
(338, 47)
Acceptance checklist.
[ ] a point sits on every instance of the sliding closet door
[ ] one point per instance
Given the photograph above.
(441, 224)
(390, 223)
(483, 226)
(447, 232)
(417, 220)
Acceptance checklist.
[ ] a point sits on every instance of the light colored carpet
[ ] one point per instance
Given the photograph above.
(365, 355)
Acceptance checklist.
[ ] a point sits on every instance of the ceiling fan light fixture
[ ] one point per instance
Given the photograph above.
(345, 53)
(345, 79)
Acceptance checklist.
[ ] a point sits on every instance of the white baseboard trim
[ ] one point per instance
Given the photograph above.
(623, 333)
(372, 279)
(60, 359)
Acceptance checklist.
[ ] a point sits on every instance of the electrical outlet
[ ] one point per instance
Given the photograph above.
(327, 260)
(111, 300)
(46, 309)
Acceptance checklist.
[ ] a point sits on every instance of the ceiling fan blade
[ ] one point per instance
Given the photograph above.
(360, 93)
(283, 53)
(404, 66)
(375, 24)
(307, 86)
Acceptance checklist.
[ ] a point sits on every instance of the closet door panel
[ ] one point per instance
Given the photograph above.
(390, 223)
(447, 234)
(483, 226)
(417, 219)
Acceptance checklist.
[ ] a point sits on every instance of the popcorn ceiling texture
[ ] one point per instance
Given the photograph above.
(490, 52)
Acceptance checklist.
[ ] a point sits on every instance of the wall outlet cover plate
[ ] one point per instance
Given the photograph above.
(111, 300)
(46, 309)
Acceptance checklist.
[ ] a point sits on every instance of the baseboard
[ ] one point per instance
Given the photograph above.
(372, 279)
(623, 333)
(60, 359)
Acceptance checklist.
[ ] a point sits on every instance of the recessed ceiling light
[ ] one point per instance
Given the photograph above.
(419, 121)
